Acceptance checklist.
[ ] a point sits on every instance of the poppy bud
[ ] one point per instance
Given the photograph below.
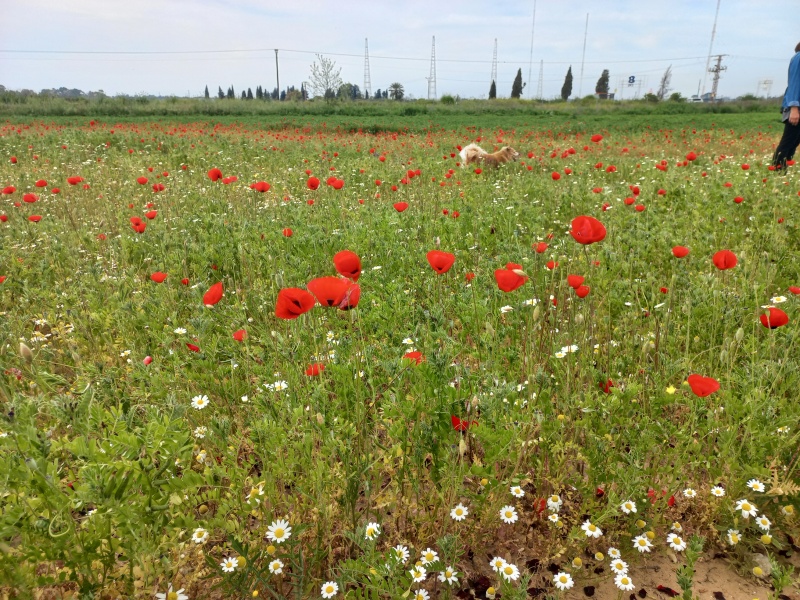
(25, 352)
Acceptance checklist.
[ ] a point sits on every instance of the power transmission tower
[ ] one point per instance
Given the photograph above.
(494, 64)
(710, 46)
(716, 69)
(367, 81)
(541, 80)
(432, 78)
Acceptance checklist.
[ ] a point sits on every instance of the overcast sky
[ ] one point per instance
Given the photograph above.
(194, 43)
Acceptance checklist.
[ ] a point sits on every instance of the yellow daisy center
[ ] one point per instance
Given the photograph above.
(448, 574)
(172, 596)
(370, 531)
(508, 570)
(563, 579)
(279, 532)
(625, 581)
(459, 512)
(328, 589)
(592, 528)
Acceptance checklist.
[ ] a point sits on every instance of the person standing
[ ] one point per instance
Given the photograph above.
(790, 115)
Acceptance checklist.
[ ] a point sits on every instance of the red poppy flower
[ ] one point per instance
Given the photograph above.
(574, 281)
(745, 167)
(606, 387)
(312, 183)
(147, 360)
(691, 156)
(461, 425)
(151, 214)
(287, 232)
(440, 261)
(794, 289)
(261, 186)
(540, 247)
(213, 295)
(158, 277)
(639, 207)
(551, 264)
(347, 264)
(315, 369)
(30, 198)
(400, 206)
(329, 291)
(41, 183)
(192, 347)
(738, 199)
(141, 180)
(9, 190)
(775, 318)
(587, 230)
(101, 236)
(74, 180)
(703, 386)
(293, 302)
(239, 335)
(470, 276)
(556, 176)
(214, 174)
(725, 259)
(2, 278)
(35, 218)
(664, 290)
(158, 187)
(185, 281)
(13, 160)
(415, 357)
(582, 291)
(680, 251)
(337, 184)
(510, 278)
(597, 138)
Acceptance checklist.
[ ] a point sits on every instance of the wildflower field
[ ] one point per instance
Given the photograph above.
(304, 360)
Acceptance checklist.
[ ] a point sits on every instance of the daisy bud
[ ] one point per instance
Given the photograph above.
(651, 535)
(766, 539)
(25, 352)
(271, 550)
(203, 509)
(577, 562)
(598, 556)
(640, 523)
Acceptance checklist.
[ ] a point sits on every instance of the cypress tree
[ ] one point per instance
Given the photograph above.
(493, 91)
(566, 89)
(516, 88)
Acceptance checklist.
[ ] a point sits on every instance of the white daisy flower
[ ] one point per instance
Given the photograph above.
(170, 595)
(764, 523)
(459, 513)
(229, 564)
(448, 576)
(756, 485)
(619, 566)
(329, 589)
(733, 536)
(778, 299)
(563, 581)
(689, 493)
(718, 491)
(614, 553)
(506, 309)
(408, 341)
(276, 567)
(554, 503)
(510, 572)
(200, 402)
(628, 507)
(676, 527)
(624, 582)
(553, 518)
(279, 531)
(676, 542)
(199, 535)
(497, 563)
(508, 514)
(591, 530)
(428, 556)
(642, 544)
(372, 531)
(517, 491)
(401, 553)
(180, 331)
(418, 574)
(421, 595)
(748, 508)
(200, 432)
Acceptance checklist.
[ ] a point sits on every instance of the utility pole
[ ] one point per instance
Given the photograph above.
(583, 57)
(277, 74)
(716, 69)
(494, 65)
(432, 78)
(530, 58)
(367, 81)
(541, 80)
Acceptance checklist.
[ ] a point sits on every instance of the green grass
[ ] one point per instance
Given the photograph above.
(105, 478)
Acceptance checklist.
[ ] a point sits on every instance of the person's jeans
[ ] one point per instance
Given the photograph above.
(787, 146)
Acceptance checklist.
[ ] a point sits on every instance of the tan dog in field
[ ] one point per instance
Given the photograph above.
(475, 154)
